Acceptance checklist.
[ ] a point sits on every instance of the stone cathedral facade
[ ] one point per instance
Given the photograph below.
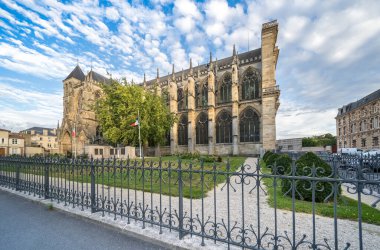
(224, 107)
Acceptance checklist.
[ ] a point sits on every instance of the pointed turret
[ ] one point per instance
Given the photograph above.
(77, 73)
(210, 67)
(173, 74)
(191, 68)
(234, 56)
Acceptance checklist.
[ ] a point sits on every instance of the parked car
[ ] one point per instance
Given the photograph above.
(350, 151)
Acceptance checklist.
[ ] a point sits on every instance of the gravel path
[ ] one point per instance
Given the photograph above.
(251, 213)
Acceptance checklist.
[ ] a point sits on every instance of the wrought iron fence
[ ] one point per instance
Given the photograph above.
(232, 208)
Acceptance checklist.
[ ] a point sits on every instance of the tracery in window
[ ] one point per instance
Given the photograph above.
(202, 129)
(249, 126)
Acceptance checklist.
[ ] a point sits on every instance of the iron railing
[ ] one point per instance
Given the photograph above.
(218, 204)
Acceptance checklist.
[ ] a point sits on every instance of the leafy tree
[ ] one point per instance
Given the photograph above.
(118, 108)
(319, 141)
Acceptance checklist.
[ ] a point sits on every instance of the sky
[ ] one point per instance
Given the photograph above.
(329, 50)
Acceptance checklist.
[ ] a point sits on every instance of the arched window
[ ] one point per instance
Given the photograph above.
(202, 129)
(182, 99)
(182, 130)
(201, 95)
(165, 97)
(224, 127)
(249, 126)
(250, 85)
(225, 89)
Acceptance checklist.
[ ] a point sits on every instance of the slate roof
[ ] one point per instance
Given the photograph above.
(354, 105)
(99, 78)
(39, 130)
(77, 73)
(244, 58)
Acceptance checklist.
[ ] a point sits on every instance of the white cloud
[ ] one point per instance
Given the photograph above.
(112, 14)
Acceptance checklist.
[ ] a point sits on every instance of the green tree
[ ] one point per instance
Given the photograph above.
(118, 108)
(322, 140)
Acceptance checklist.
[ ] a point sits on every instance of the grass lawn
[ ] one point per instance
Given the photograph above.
(347, 208)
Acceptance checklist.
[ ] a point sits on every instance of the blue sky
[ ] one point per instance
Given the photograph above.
(328, 50)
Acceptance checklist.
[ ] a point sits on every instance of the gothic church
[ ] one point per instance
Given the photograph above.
(224, 107)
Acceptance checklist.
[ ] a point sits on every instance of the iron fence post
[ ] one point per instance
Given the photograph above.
(46, 175)
(93, 205)
(180, 201)
(17, 177)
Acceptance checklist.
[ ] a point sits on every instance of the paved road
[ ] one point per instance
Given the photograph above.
(28, 225)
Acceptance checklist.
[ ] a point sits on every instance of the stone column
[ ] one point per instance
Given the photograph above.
(174, 110)
(211, 110)
(270, 92)
(235, 104)
(191, 110)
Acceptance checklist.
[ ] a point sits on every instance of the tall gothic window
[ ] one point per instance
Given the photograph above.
(182, 99)
(225, 89)
(250, 85)
(249, 126)
(201, 95)
(224, 127)
(165, 97)
(167, 138)
(182, 130)
(202, 129)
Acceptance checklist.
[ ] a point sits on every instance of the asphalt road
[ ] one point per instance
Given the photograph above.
(28, 225)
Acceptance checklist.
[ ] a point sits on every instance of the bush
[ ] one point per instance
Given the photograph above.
(271, 160)
(266, 156)
(304, 164)
(284, 162)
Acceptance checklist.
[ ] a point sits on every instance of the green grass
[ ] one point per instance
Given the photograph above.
(347, 208)
(168, 184)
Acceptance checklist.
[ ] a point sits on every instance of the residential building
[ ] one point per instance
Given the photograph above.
(45, 138)
(16, 144)
(357, 123)
(4, 142)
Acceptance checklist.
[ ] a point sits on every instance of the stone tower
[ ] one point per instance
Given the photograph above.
(79, 125)
(270, 91)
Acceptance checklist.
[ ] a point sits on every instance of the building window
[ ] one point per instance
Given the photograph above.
(375, 141)
(2, 140)
(112, 151)
(201, 95)
(363, 142)
(182, 99)
(249, 126)
(96, 151)
(182, 130)
(14, 141)
(224, 127)
(122, 151)
(344, 130)
(375, 123)
(339, 131)
(165, 97)
(250, 85)
(352, 128)
(202, 129)
(225, 89)
(41, 139)
(354, 143)
(101, 151)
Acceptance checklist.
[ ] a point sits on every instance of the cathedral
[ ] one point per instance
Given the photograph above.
(224, 107)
